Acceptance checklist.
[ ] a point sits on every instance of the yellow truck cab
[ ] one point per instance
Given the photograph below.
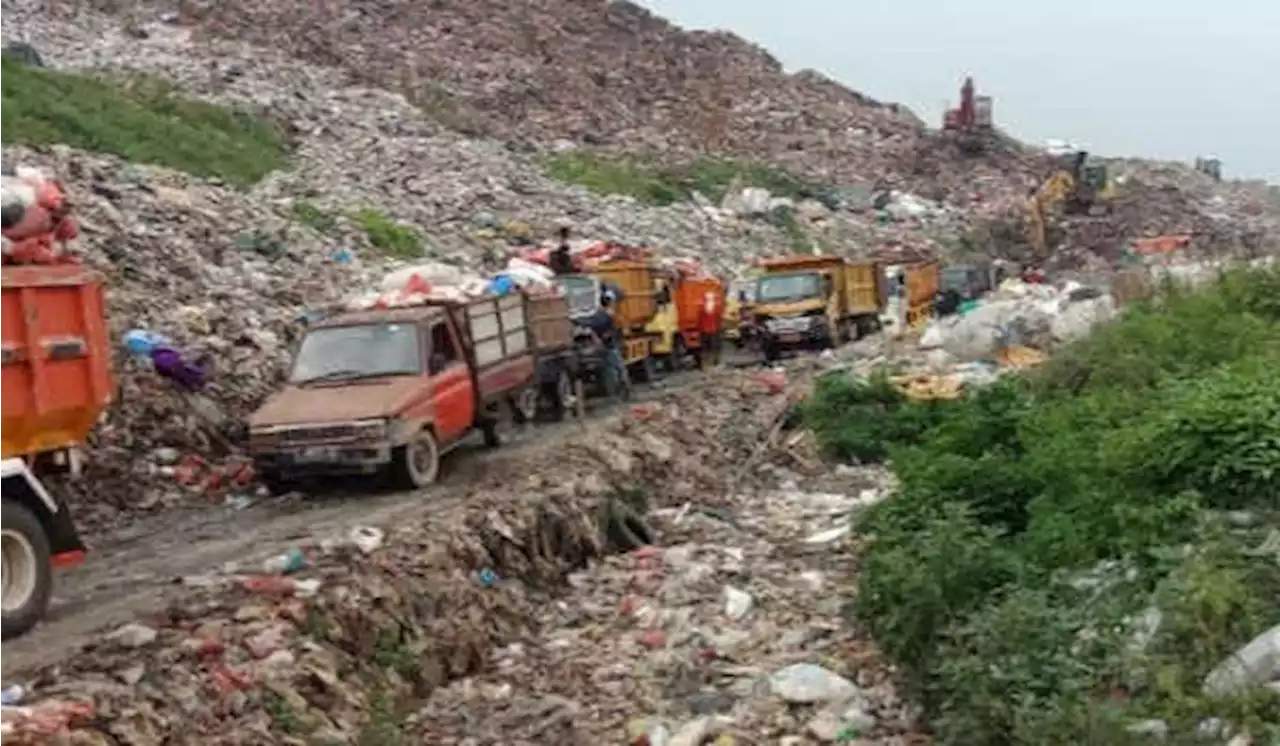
(815, 301)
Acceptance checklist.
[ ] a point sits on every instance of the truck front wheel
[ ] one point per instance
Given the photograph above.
(416, 464)
(27, 572)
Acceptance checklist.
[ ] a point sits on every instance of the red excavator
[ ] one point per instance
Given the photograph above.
(970, 121)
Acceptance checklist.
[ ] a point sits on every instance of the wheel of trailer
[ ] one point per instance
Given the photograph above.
(417, 463)
(27, 575)
(645, 370)
(275, 483)
(565, 396)
(678, 353)
(525, 406)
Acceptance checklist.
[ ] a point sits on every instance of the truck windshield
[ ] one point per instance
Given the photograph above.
(582, 294)
(340, 353)
(955, 278)
(800, 286)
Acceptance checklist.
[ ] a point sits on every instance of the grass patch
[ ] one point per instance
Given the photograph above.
(649, 182)
(1066, 554)
(396, 239)
(312, 216)
(142, 121)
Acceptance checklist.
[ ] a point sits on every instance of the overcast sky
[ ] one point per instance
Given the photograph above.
(1123, 77)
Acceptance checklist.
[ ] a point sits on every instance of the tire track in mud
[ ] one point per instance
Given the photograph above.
(136, 571)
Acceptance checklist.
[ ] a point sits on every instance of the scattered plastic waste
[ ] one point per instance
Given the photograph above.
(12, 696)
(287, 563)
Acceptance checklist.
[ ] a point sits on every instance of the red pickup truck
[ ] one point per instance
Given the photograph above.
(388, 391)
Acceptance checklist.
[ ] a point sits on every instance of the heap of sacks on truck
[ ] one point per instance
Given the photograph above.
(527, 272)
(37, 220)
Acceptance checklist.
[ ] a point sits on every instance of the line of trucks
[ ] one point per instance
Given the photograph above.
(386, 392)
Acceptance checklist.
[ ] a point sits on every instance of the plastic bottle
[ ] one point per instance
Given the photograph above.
(289, 562)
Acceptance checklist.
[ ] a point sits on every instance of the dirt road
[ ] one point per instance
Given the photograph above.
(135, 571)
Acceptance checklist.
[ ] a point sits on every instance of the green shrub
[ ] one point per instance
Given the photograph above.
(1218, 436)
(143, 120)
(309, 214)
(397, 240)
(646, 180)
(924, 567)
(1116, 454)
(863, 420)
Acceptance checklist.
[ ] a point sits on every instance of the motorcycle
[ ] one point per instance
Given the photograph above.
(592, 353)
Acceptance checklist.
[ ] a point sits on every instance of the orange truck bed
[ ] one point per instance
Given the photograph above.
(56, 357)
(691, 295)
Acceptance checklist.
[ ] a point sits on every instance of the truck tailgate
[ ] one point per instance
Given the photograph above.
(691, 295)
(638, 306)
(865, 289)
(923, 281)
(549, 321)
(56, 372)
(500, 339)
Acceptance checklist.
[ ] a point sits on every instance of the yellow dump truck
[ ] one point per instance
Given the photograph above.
(815, 302)
(638, 282)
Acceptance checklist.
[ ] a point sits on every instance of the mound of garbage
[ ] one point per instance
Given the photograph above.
(216, 275)
(339, 635)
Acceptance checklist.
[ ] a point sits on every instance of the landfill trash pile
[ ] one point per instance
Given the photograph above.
(1020, 315)
(407, 150)
(322, 641)
(612, 74)
(212, 273)
(357, 148)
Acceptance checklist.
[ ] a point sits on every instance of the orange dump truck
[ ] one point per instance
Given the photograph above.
(56, 382)
(923, 280)
(682, 295)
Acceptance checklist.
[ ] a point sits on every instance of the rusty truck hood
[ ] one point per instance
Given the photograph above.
(362, 400)
(785, 309)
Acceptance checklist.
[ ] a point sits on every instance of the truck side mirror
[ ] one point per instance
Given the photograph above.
(828, 286)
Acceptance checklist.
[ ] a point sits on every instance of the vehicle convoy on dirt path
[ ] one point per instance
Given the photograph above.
(815, 302)
(386, 391)
(56, 381)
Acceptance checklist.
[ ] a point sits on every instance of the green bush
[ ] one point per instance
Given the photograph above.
(397, 240)
(646, 180)
(142, 120)
(863, 420)
(1115, 454)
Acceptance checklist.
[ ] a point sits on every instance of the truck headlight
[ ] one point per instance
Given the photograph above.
(372, 429)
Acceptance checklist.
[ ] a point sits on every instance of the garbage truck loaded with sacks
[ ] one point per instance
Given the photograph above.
(388, 390)
(56, 384)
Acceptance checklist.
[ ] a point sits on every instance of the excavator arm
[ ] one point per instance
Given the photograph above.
(1045, 198)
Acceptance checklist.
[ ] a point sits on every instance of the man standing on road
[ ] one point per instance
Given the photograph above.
(709, 321)
(601, 323)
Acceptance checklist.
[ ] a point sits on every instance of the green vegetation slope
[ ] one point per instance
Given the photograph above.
(141, 120)
(1070, 553)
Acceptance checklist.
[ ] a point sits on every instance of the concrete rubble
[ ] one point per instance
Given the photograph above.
(511, 617)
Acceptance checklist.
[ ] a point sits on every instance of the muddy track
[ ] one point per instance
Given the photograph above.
(135, 571)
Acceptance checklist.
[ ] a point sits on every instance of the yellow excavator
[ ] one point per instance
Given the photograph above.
(1080, 187)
